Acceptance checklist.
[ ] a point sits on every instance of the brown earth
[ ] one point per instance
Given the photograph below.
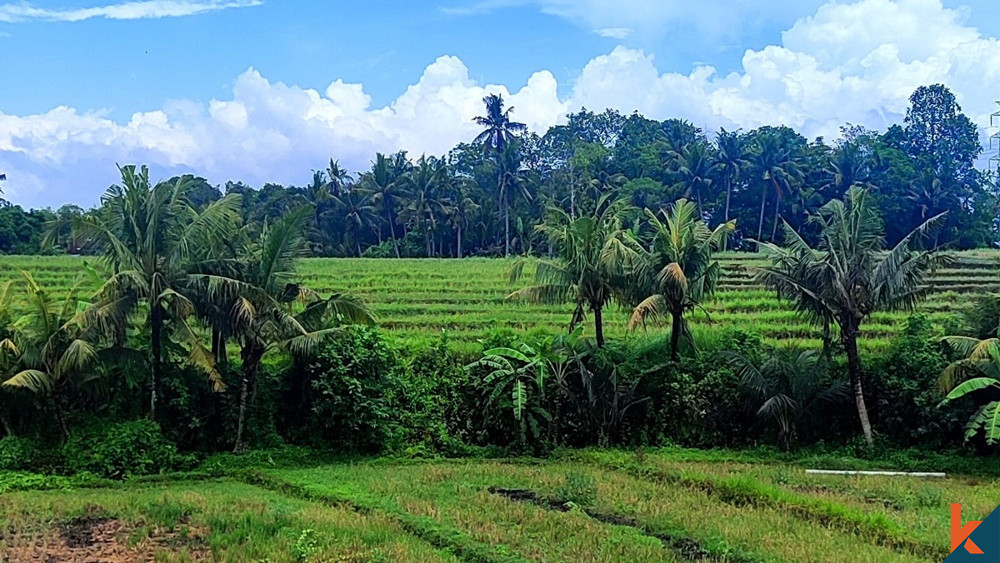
(93, 539)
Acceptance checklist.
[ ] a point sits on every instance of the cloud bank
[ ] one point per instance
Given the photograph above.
(855, 63)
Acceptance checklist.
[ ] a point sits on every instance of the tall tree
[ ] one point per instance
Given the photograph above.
(382, 184)
(268, 309)
(156, 245)
(594, 254)
(732, 156)
(426, 203)
(695, 166)
(777, 162)
(498, 133)
(679, 270)
(52, 347)
(849, 275)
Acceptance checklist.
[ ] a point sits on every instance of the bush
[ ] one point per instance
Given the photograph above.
(340, 397)
(18, 454)
(121, 450)
(905, 393)
(578, 488)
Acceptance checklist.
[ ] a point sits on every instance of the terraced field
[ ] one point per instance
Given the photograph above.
(417, 299)
(579, 506)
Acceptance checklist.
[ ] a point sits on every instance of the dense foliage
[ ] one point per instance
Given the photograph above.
(202, 324)
(486, 197)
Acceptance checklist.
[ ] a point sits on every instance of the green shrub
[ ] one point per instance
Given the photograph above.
(121, 450)
(18, 454)
(578, 488)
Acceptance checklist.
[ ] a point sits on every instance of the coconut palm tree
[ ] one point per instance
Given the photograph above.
(52, 347)
(594, 254)
(424, 192)
(381, 183)
(497, 136)
(679, 270)
(359, 215)
(732, 156)
(787, 387)
(460, 211)
(694, 165)
(268, 310)
(779, 170)
(849, 275)
(157, 246)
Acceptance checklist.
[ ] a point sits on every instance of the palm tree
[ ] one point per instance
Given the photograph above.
(498, 134)
(382, 185)
(459, 212)
(732, 156)
(157, 246)
(262, 298)
(359, 214)
(694, 165)
(788, 386)
(679, 270)
(977, 374)
(849, 275)
(779, 170)
(424, 193)
(52, 347)
(594, 255)
(338, 179)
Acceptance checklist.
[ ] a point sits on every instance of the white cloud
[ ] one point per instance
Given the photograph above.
(854, 63)
(136, 10)
(614, 32)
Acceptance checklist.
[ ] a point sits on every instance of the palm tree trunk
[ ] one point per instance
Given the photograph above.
(760, 223)
(156, 324)
(849, 337)
(774, 228)
(598, 326)
(506, 225)
(676, 328)
(60, 414)
(358, 242)
(701, 211)
(458, 251)
(251, 359)
(729, 194)
(8, 430)
(392, 230)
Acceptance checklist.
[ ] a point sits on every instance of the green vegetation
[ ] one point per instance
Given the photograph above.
(672, 505)
(417, 299)
(200, 327)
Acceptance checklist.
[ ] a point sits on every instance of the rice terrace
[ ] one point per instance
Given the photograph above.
(498, 281)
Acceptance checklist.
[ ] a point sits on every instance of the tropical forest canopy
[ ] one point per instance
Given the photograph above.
(485, 197)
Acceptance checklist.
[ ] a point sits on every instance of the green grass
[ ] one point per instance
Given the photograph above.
(662, 505)
(418, 299)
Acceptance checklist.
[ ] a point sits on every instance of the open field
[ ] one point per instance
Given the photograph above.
(418, 299)
(580, 506)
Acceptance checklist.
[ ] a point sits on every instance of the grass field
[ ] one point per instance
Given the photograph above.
(579, 506)
(418, 299)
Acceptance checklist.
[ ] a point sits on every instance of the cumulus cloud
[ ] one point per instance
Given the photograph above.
(854, 63)
(137, 10)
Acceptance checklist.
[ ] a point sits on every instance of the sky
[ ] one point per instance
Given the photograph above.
(269, 90)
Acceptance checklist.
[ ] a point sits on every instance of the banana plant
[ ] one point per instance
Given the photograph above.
(517, 380)
(976, 375)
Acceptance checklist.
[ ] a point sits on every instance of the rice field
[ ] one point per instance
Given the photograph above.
(417, 299)
(589, 505)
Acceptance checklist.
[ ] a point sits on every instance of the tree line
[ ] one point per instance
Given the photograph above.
(487, 196)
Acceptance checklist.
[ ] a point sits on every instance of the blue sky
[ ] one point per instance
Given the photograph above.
(88, 83)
